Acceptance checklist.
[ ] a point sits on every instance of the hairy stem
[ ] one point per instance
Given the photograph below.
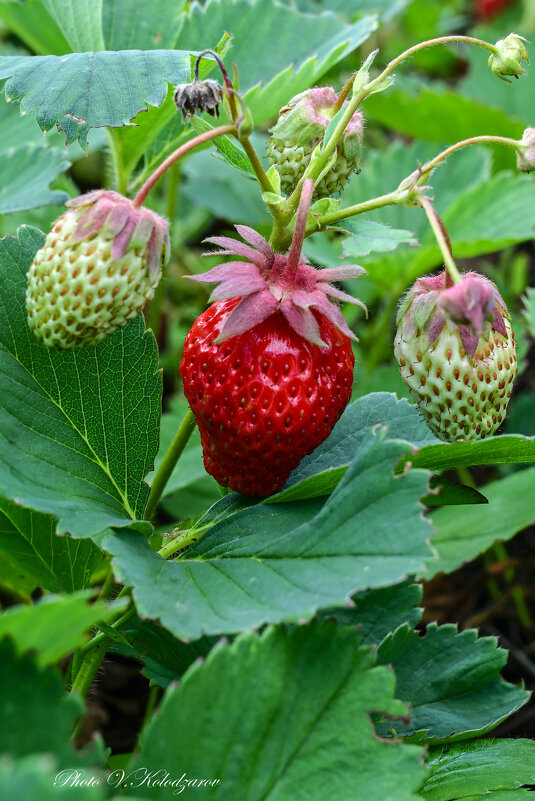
(390, 199)
(121, 174)
(300, 228)
(422, 46)
(170, 459)
(87, 660)
(437, 227)
(429, 166)
(222, 130)
(256, 164)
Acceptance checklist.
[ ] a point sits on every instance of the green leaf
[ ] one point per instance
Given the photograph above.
(32, 702)
(438, 114)
(80, 91)
(377, 613)
(451, 682)
(279, 737)
(492, 216)
(32, 778)
(55, 625)
(79, 428)
(285, 561)
(13, 582)
(319, 473)
(502, 449)
(480, 767)
(231, 151)
(509, 510)
(32, 23)
(529, 311)
(448, 493)
(228, 195)
(304, 49)
(129, 24)
(25, 176)
(165, 657)
(387, 9)
(80, 21)
(372, 237)
(57, 564)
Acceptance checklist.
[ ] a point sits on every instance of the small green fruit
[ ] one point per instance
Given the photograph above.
(98, 267)
(456, 351)
(301, 128)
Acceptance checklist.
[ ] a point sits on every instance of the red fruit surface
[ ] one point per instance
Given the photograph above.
(265, 398)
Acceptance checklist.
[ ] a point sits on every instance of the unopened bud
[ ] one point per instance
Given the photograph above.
(506, 61)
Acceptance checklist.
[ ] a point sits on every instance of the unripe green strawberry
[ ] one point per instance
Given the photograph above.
(456, 352)
(98, 267)
(300, 129)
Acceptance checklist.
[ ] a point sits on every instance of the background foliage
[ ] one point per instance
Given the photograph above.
(290, 649)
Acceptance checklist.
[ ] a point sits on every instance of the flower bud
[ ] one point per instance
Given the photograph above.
(301, 128)
(525, 154)
(508, 56)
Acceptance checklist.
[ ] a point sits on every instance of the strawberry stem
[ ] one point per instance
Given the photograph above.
(429, 166)
(453, 275)
(222, 130)
(421, 46)
(300, 229)
(169, 461)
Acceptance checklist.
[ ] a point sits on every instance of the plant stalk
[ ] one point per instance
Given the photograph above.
(429, 166)
(390, 199)
(222, 130)
(454, 39)
(170, 459)
(443, 244)
(300, 229)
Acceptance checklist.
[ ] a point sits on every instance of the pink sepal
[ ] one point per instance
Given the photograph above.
(256, 240)
(250, 311)
(224, 272)
(333, 313)
(469, 340)
(344, 273)
(234, 287)
(234, 248)
(343, 296)
(498, 323)
(303, 322)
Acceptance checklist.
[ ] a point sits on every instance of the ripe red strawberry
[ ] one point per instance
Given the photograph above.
(267, 369)
(265, 398)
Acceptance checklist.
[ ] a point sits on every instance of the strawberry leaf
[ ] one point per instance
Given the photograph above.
(80, 91)
(79, 428)
(480, 771)
(284, 561)
(302, 714)
(57, 564)
(509, 510)
(451, 680)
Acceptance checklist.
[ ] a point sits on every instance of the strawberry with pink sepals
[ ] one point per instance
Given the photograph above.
(268, 369)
